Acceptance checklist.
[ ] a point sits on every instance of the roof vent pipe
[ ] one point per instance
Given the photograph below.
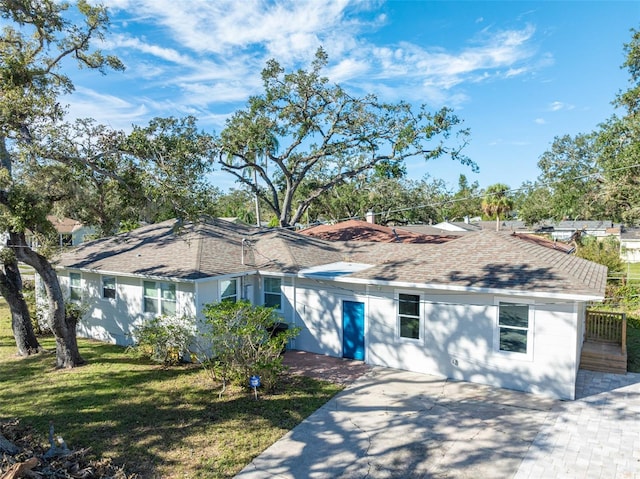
(371, 217)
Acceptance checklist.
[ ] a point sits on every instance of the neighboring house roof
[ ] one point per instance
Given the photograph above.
(548, 243)
(482, 261)
(575, 225)
(431, 230)
(65, 225)
(630, 234)
(357, 230)
(456, 226)
(505, 225)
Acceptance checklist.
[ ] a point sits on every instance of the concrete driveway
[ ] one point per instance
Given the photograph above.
(396, 424)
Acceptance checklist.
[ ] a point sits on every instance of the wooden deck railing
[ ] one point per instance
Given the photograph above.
(607, 327)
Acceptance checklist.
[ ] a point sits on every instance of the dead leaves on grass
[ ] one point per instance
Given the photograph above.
(28, 458)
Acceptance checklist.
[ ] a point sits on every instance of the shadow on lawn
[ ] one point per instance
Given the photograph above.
(152, 419)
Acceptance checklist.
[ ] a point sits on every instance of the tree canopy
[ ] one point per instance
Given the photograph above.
(305, 130)
(37, 39)
(497, 201)
(594, 175)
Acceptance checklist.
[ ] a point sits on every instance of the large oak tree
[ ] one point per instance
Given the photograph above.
(38, 38)
(303, 130)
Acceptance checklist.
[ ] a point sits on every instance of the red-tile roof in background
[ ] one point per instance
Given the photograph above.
(357, 230)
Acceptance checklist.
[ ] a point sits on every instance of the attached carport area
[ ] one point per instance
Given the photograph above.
(398, 424)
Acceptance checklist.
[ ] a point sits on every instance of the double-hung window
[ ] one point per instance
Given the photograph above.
(229, 290)
(159, 298)
(108, 287)
(75, 287)
(514, 327)
(409, 316)
(273, 293)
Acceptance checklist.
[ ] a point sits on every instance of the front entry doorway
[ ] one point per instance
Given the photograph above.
(353, 330)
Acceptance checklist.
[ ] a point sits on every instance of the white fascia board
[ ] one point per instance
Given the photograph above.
(156, 277)
(464, 289)
(262, 272)
(225, 276)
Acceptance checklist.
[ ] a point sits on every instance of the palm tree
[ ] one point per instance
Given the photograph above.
(497, 201)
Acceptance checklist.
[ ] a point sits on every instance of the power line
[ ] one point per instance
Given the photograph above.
(511, 191)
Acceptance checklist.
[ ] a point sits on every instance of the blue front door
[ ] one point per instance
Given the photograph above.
(353, 330)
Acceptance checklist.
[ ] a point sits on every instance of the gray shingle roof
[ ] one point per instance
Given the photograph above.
(481, 260)
(487, 260)
(201, 250)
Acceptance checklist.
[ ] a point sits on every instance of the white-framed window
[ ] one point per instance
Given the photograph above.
(409, 315)
(514, 327)
(229, 290)
(159, 298)
(273, 293)
(75, 287)
(108, 287)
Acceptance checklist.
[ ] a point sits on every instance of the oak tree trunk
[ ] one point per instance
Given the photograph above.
(62, 325)
(11, 290)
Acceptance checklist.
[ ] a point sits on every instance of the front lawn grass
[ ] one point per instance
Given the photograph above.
(631, 272)
(158, 422)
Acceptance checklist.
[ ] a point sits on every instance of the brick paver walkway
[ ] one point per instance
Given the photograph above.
(595, 436)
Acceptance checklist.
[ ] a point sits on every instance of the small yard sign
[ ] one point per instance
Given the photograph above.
(254, 382)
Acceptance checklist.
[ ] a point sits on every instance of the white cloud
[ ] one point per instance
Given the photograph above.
(346, 69)
(110, 109)
(289, 30)
(207, 53)
(160, 53)
(558, 105)
(540, 121)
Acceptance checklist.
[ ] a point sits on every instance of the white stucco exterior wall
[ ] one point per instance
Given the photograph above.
(458, 337)
(457, 332)
(115, 320)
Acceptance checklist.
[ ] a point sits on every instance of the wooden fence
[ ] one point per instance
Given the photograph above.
(607, 327)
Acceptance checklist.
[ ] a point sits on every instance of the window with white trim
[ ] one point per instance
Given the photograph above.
(409, 316)
(229, 290)
(514, 327)
(159, 298)
(108, 287)
(273, 293)
(75, 287)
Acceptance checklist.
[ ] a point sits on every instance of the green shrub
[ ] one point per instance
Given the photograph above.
(243, 342)
(625, 297)
(164, 339)
(604, 251)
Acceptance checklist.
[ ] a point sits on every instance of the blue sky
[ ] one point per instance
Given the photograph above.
(518, 73)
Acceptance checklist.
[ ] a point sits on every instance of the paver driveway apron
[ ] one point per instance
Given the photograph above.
(397, 424)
